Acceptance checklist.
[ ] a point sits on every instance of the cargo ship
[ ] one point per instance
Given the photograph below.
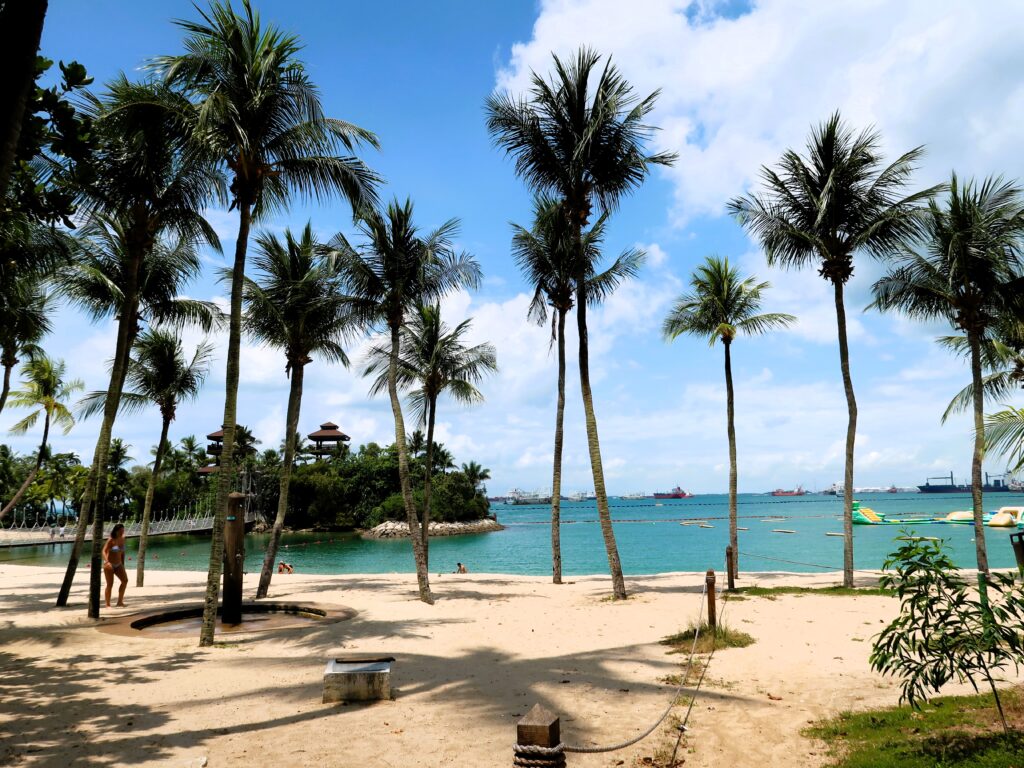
(675, 493)
(994, 484)
(798, 491)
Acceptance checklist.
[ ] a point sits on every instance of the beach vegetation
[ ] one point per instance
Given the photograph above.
(720, 307)
(946, 631)
(45, 391)
(545, 255)
(949, 731)
(396, 269)
(965, 266)
(836, 590)
(295, 305)
(254, 111)
(433, 360)
(823, 208)
(581, 137)
(708, 639)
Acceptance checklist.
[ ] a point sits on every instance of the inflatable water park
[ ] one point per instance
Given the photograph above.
(1004, 517)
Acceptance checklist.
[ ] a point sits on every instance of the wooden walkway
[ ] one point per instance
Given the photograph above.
(42, 534)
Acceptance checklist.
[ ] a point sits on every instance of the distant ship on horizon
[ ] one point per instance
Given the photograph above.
(675, 493)
(995, 484)
(798, 491)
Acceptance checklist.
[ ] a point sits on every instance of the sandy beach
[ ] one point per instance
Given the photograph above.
(467, 669)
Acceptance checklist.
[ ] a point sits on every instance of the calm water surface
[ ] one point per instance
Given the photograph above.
(649, 535)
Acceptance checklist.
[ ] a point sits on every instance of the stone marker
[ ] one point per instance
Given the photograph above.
(357, 679)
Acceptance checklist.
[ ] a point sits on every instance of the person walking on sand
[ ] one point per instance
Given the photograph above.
(113, 563)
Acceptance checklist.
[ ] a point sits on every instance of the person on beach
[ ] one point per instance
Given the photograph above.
(283, 567)
(460, 568)
(113, 563)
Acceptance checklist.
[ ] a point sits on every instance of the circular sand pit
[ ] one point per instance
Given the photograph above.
(178, 621)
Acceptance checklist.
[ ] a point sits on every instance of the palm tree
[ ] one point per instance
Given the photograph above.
(821, 210)
(158, 374)
(476, 474)
(296, 305)
(1004, 433)
(417, 443)
(24, 321)
(396, 269)
(433, 360)
(145, 197)
(114, 491)
(260, 115)
(587, 147)
(966, 267)
(46, 390)
(1002, 355)
(544, 254)
(722, 306)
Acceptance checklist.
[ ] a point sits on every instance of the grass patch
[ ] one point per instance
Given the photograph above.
(721, 637)
(947, 732)
(772, 592)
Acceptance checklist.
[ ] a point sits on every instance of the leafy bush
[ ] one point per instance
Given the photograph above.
(947, 630)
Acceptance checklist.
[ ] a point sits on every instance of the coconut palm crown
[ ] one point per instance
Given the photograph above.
(966, 266)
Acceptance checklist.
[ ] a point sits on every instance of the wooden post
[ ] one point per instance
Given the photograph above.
(712, 616)
(538, 734)
(730, 568)
(234, 559)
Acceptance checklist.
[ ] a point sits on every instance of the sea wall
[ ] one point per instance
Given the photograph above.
(393, 529)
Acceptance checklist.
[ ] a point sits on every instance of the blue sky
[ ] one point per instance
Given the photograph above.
(740, 83)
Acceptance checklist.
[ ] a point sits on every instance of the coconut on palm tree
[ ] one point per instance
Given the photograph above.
(433, 360)
(396, 268)
(257, 112)
(823, 208)
(580, 137)
(45, 390)
(966, 266)
(545, 255)
(159, 374)
(295, 305)
(720, 307)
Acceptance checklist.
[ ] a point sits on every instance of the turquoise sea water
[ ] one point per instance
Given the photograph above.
(649, 535)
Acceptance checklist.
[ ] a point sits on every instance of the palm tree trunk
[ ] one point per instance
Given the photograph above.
(227, 463)
(118, 371)
(7, 385)
(851, 435)
(974, 340)
(556, 471)
(428, 479)
(294, 405)
(147, 509)
(730, 417)
(422, 577)
(593, 443)
(31, 475)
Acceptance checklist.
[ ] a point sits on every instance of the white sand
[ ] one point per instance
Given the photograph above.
(467, 669)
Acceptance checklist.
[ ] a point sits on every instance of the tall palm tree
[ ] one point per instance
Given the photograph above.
(823, 208)
(114, 492)
(46, 390)
(966, 266)
(145, 198)
(1004, 433)
(158, 374)
(295, 305)
(586, 146)
(260, 115)
(721, 306)
(394, 270)
(95, 285)
(433, 360)
(545, 255)
(24, 321)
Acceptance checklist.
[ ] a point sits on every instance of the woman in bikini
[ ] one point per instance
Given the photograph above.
(113, 563)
